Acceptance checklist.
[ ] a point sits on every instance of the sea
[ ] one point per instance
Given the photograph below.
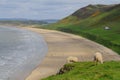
(21, 51)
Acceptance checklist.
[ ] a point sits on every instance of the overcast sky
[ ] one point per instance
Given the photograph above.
(44, 9)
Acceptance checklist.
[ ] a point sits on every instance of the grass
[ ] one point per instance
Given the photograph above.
(88, 71)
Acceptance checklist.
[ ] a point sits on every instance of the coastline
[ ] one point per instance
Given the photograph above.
(20, 52)
(61, 45)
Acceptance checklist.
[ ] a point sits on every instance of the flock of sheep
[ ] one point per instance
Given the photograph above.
(97, 58)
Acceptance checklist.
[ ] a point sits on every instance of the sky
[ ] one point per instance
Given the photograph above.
(44, 9)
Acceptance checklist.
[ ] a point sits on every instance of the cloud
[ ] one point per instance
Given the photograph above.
(44, 9)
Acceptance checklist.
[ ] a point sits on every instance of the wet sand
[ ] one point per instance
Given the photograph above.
(60, 46)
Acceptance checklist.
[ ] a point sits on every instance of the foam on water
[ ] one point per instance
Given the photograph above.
(20, 52)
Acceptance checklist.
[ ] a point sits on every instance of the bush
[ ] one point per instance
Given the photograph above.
(65, 68)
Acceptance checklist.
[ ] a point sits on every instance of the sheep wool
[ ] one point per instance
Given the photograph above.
(72, 59)
(98, 57)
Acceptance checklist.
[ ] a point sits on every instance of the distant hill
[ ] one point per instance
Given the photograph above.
(100, 23)
(49, 21)
(18, 21)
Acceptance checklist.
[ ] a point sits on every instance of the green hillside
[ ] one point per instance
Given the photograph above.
(91, 22)
(88, 71)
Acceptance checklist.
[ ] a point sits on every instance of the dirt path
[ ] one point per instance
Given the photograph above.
(61, 45)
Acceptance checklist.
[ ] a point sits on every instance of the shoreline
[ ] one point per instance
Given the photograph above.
(23, 50)
(60, 46)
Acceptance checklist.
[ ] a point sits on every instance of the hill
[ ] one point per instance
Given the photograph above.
(100, 23)
(20, 21)
(50, 21)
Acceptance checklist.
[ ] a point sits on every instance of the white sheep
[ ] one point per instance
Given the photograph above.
(98, 58)
(72, 59)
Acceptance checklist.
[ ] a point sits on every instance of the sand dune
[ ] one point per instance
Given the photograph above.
(61, 45)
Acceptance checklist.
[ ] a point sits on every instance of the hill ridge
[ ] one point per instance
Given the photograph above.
(85, 12)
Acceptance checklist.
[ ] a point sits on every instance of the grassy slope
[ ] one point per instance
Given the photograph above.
(92, 27)
(87, 71)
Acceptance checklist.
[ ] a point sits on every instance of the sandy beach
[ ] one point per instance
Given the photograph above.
(60, 46)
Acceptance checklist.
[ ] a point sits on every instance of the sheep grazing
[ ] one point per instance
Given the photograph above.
(98, 58)
(72, 59)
